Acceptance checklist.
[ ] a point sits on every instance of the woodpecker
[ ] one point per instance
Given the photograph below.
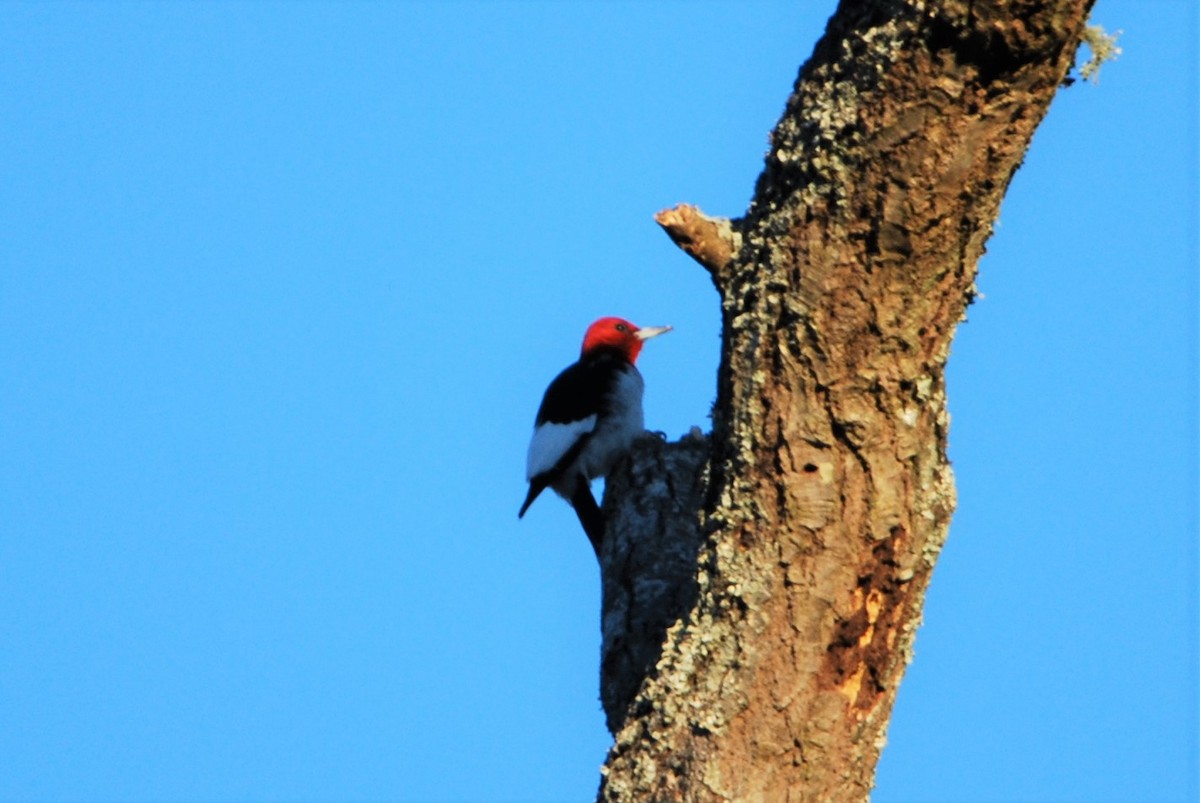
(589, 417)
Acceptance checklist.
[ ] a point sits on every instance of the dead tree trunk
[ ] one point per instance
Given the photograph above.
(762, 588)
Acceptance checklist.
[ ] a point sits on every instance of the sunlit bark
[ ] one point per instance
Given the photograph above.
(808, 524)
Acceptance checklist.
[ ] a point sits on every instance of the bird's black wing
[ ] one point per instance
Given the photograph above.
(575, 393)
(580, 392)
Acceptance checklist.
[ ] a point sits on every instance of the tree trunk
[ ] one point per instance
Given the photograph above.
(762, 588)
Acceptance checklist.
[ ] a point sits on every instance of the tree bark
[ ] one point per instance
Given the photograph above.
(762, 588)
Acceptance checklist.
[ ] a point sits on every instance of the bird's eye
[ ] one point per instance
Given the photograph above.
(620, 327)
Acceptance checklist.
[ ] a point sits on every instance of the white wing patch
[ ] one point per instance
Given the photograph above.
(552, 441)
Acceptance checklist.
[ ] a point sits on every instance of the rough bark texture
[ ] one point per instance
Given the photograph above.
(766, 668)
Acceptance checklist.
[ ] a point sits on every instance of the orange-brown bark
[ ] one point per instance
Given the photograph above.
(828, 491)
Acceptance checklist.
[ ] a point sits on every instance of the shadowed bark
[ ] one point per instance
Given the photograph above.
(762, 588)
(649, 560)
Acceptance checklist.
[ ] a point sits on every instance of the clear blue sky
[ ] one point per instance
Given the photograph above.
(282, 284)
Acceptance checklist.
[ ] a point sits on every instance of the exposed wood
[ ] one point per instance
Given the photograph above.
(710, 241)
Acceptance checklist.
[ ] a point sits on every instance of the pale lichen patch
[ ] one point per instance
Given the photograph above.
(1102, 47)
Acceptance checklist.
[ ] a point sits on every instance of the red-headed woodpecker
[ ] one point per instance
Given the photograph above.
(588, 420)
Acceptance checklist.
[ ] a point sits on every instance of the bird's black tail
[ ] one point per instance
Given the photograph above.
(589, 514)
(536, 486)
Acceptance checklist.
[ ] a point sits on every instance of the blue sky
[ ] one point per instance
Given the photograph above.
(283, 283)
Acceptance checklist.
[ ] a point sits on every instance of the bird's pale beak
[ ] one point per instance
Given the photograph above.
(647, 332)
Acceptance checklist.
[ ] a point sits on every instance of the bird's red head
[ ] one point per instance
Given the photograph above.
(620, 334)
